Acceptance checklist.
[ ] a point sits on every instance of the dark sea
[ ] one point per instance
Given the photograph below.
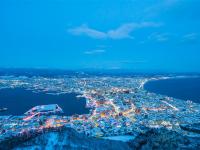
(181, 88)
(20, 100)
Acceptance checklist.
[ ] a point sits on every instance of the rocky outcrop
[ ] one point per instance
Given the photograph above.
(71, 140)
(195, 128)
(68, 138)
(162, 139)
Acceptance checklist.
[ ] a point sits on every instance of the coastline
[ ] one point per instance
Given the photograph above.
(118, 107)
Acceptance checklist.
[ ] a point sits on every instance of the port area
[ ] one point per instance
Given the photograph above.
(119, 107)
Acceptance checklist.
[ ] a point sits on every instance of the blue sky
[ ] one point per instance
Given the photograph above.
(140, 35)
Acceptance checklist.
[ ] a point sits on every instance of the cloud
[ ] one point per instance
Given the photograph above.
(156, 8)
(125, 30)
(97, 51)
(122, 32)
(190, 38)
(159, 37)
(156, 37)
(84, 30)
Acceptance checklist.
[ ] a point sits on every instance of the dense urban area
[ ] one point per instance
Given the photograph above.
(120, 108)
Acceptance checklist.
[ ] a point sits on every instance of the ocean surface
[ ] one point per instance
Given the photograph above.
(20, 100)
(181, 88)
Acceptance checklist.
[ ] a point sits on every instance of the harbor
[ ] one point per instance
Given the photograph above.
(25, 99)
